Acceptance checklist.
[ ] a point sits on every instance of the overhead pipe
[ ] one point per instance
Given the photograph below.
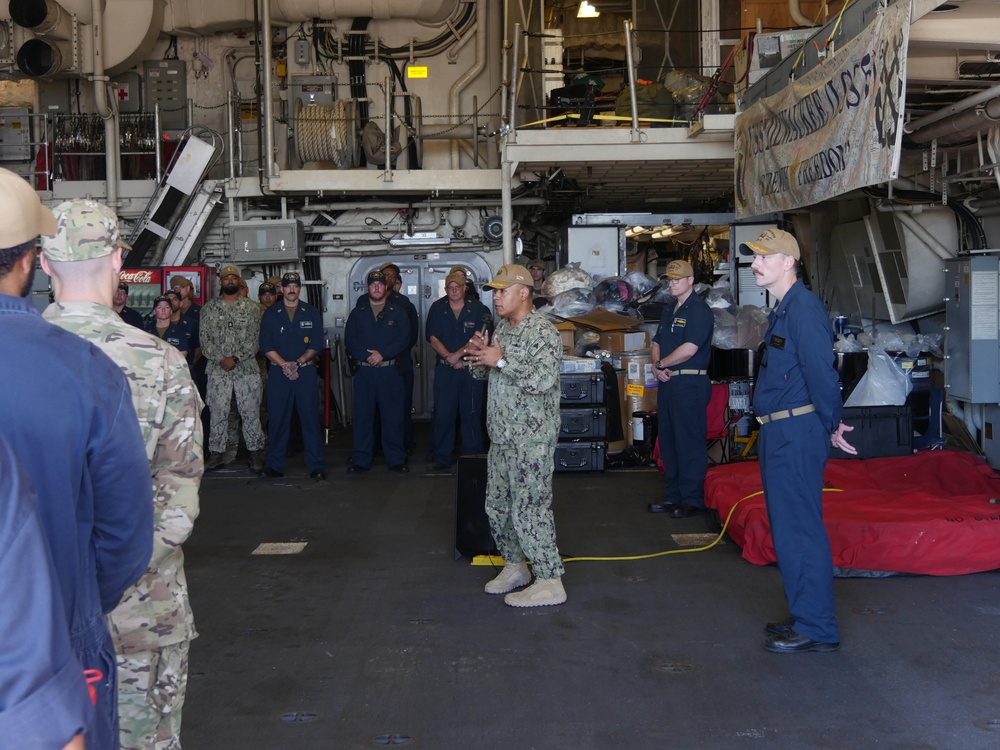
(630, 65)
(470, 75)
(265, 94)
(968, 103)
(112, 142)
(797, 15)
(186, 16)
(960, 126)
(506, 167)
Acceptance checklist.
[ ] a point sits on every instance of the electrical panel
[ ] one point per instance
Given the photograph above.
(166, 86)
(302, 51)
(267, 241)
(972, 343)
(53, 97)
(15, 135)
(310, 90)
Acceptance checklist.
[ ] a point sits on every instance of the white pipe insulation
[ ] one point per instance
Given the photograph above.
(198, 17)
(469, 76)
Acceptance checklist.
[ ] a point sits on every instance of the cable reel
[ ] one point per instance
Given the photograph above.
(327, 133)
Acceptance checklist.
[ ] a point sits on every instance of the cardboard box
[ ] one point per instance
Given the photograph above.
(602, 320)
(567, 332)
(624, 341)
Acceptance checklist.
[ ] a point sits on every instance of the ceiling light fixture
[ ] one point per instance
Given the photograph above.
(587, 11)
(419, 238)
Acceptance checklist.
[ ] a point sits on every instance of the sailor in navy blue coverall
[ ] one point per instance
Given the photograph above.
(392, 280)
(456, 393)
(291, 335)
(69, 415)
(681, 350)
(376, 337)
(798, 405)
(43, 692)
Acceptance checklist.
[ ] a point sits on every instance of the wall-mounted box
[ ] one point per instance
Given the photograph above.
(274, 241)
(15, 135)
(166, 85)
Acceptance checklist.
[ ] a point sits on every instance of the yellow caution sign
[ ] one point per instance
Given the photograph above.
(416, 71)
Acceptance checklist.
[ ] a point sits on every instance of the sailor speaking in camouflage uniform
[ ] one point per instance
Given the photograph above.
(230, 334)
(522, 417)
(153, 625)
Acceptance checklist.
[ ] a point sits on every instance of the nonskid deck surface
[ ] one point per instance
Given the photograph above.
(373, 635)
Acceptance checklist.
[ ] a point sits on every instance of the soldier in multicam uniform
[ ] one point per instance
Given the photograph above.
(153, 625)
(230, 330)
(522, 417)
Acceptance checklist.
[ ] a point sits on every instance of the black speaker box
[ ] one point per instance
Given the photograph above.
(472, 527)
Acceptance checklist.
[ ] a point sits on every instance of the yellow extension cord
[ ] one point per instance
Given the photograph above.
(496, 561)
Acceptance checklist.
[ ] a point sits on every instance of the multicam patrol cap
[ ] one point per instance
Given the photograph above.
(180, 281)
(537, 263)
(229, 271)
(85, 229)
(291, 278)
(455, 278)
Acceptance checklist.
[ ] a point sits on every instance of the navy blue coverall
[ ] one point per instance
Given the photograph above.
(72, 423)
(407, 362)
(183, 335)
(682, 402)
(456, 392)
(43, 691)
(796, 369)
(290, 338)
(381, 385)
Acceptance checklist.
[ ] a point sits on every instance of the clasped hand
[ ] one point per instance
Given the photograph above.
(479, 351)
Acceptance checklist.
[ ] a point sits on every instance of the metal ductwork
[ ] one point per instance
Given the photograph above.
(56, 46)
(43, 18)
(889, 265)
(39, 58)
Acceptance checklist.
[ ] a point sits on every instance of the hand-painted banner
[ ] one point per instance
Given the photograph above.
(837, 128)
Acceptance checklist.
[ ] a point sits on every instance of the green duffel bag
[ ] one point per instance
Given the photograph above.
(652, 100)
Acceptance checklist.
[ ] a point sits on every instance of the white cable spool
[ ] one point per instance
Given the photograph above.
(324, 133)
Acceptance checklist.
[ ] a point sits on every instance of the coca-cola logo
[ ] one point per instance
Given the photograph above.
(137, 277)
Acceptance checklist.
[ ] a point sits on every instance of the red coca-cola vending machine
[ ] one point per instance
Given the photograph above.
(203, 280)
(144, 286)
